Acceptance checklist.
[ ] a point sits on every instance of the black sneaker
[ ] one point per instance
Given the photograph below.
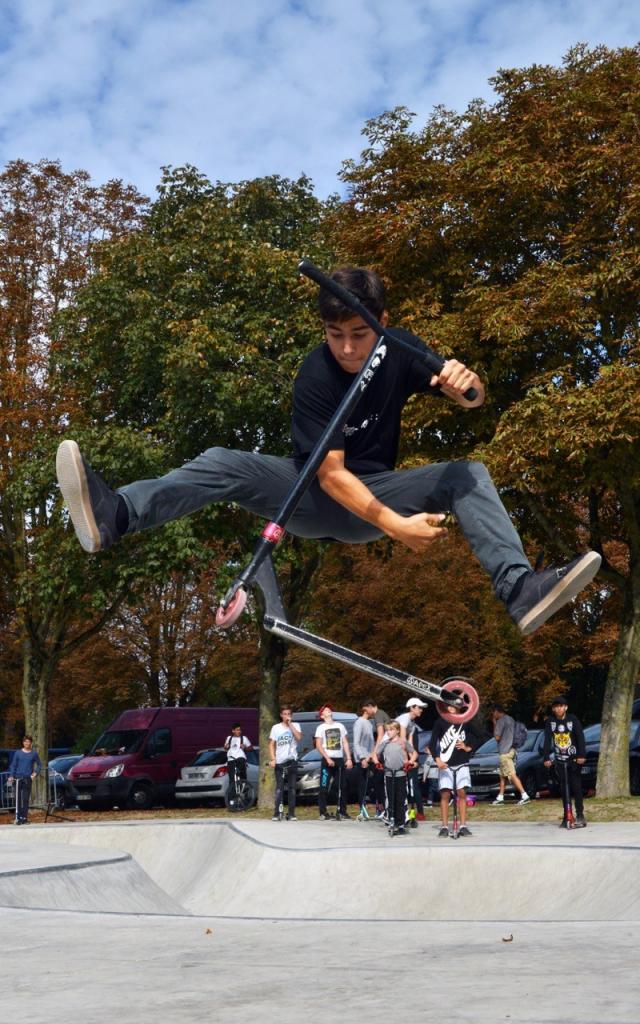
(580, 821)
(399, 831)
(92, 505)
(464, 831)
(325, 817)
(443, 833)
(291, 817)
(565, 824)
(539, 595)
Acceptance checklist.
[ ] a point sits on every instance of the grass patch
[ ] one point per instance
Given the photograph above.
(546, 809)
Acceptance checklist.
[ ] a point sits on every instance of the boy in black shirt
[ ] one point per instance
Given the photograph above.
(357, 495)
(452, 746)
(564, 733)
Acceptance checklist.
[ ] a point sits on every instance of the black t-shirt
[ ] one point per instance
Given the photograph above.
(443, 741)
(566, 736)
(371, 435)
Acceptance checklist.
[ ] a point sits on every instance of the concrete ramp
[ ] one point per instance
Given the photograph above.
(50, 876)
(347, 871)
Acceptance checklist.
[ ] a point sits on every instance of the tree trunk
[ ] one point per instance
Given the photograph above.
(37, 672)
(272, 657)
(613, 763)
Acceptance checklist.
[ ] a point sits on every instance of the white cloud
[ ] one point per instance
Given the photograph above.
(241, 89)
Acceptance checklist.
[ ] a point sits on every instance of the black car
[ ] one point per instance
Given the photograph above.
(533, 775)
(592, 741)
(308, 784)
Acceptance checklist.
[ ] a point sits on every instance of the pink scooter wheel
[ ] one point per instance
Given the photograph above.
(226, 617)
(461, 688)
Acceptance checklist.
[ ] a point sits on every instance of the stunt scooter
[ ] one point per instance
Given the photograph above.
(454, 691)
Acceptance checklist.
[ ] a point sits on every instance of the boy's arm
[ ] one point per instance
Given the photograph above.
(416, 532)
(296, 730)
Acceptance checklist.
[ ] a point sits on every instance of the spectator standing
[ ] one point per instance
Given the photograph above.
(408, 727)
(25, 766)
(564, 733)
(236, 746)
(380, 721)
(430, 775)
(332, 742)
(364, 741)
(396, 753)
(452, 746)
(503, 729)
(283, 753)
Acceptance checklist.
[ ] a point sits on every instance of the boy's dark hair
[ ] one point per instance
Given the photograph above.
(499, 707)
(365, 284)
(236, 725)
(27, 737)
(285, 707)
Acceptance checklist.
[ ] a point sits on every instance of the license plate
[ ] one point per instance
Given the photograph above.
(195, 775)
(83, 796)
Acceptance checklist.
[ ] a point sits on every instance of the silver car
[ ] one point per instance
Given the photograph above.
(207, 777)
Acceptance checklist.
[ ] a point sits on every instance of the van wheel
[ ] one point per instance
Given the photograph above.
(140, 797)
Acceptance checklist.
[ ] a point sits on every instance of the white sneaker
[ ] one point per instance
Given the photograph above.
(524, 799)
(498, 800)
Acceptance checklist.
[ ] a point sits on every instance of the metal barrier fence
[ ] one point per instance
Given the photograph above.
(46, 793)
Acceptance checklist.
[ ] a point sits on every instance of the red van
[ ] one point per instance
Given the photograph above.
(136, 762)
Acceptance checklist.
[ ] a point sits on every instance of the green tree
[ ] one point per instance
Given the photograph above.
(208, 322)
(509, 234)
(49, 224)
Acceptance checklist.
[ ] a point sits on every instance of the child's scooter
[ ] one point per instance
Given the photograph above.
(455, 691)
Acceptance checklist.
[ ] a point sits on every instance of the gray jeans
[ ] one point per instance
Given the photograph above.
(260, 483)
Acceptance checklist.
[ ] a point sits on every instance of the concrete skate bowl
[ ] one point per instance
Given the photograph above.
(221, 870)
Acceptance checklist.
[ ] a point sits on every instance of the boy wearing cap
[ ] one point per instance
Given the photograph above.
(564, 733)
(332, 742)
(408, 727)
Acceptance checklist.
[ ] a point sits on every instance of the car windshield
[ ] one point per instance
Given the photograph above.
(62, 764)
(312, 755)
(123, 741)
(206, 757)
(592, 732)
(490, 747)
(533, 735)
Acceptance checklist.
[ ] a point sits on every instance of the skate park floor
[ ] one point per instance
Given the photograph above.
(191, 920)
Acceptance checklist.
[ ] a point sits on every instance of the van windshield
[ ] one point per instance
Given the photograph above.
(124, 741)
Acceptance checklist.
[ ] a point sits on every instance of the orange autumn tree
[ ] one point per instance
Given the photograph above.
(50, 222)
(509, 234)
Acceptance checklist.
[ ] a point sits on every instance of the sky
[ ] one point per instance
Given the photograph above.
(253, 87)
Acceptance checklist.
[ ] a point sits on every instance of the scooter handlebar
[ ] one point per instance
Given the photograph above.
(433, 361)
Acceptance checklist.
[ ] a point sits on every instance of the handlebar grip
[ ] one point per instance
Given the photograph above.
(433, 361)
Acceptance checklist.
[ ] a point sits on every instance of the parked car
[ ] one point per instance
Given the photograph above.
(483, 767)
(590, 767)
(137, 761)
(308, 783)
(206, 778)
(62, 792)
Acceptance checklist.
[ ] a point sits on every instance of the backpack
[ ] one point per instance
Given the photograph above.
(519, 734)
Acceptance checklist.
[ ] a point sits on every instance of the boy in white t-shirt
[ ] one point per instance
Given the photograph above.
(236, 746)
(332, 742)
(283, 753)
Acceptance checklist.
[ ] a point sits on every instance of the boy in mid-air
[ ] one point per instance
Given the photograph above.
(358, 495)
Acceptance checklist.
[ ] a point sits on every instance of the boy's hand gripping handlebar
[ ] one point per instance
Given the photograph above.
(433, 361)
